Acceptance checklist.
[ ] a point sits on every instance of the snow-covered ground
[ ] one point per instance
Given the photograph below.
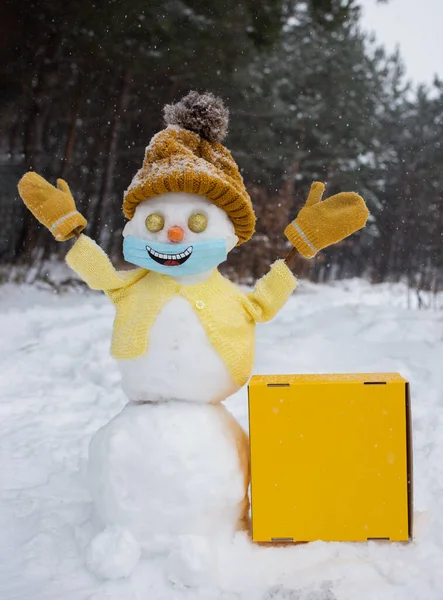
(58, 385)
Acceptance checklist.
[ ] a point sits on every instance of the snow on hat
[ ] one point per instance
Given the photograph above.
(187, 156)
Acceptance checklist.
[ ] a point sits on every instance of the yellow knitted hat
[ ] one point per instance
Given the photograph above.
(187, 156)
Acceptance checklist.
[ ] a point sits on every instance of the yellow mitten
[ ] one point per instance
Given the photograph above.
(321, 224)
(53, 206)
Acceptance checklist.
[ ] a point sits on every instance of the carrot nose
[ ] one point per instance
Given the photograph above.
(176, 234)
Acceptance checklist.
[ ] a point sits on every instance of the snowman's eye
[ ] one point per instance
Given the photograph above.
(154, 222)
(197, 223)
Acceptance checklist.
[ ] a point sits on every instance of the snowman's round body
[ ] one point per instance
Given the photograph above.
(168, 469)
(174, 462)
(181, 363)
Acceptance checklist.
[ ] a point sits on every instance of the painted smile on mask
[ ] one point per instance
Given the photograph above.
(170, 260)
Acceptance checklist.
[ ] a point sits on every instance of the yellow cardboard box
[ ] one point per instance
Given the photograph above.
(330, 457)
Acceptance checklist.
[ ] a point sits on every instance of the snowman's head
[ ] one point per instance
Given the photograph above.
(178, 234)
(172, 229)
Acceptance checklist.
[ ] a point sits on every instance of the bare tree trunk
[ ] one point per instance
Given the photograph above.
(105, 194)
(32, 149)
(13, 137)
(72, 133)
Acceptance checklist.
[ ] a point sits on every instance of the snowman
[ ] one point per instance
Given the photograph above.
(170, 473)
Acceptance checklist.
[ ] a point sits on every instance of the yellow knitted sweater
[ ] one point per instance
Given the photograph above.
(227, 314)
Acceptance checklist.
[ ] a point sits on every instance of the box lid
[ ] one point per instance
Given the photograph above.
(340, 378)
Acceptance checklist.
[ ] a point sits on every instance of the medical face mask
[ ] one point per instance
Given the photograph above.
(175, 260)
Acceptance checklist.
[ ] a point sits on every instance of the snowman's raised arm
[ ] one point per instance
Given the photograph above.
(92, 264)
(55, 208)
(271, 292)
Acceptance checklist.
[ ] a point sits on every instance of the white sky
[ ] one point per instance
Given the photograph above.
(416, 26)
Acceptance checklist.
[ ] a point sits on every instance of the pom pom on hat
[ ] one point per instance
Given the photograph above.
(204, 114)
